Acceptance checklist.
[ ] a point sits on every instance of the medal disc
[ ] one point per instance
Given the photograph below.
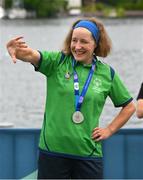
(67, 75)
(77, 117)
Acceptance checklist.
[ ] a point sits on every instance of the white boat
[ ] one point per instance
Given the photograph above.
(2, 12)
(6, 125)
(17, 13)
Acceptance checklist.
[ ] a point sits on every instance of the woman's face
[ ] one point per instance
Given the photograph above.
(82, 45)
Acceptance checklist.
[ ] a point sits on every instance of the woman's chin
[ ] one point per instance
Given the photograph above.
(78, 58)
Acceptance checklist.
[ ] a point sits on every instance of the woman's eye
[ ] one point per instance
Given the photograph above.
(74, 40)
(84, 41)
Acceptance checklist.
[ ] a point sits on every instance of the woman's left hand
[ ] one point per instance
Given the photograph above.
(101, 133)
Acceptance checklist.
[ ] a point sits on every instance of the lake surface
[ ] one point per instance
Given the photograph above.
(22, 90)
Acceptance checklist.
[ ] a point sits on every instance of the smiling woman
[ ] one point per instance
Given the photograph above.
(78, 84)
(82, 45)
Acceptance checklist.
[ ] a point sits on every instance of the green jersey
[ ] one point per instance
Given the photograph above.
(59, 133)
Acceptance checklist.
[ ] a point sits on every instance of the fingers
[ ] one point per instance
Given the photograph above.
(101, 133)
(18, 38)
(96, 135)
(12, 53)
(13, 58)
(15, 46)
(21, 44)
(99, 138)
(14, 41)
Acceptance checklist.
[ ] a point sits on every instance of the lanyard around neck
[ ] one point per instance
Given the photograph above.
(80, 97)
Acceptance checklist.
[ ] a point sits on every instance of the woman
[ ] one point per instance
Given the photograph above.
(139, 111)
(77, 87)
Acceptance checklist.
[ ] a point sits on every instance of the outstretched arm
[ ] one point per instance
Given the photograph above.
(18, 49)
(123, 116)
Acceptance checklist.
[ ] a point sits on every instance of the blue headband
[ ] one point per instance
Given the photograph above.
(91, 27)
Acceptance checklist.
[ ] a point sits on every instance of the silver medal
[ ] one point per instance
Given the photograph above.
(77, 117)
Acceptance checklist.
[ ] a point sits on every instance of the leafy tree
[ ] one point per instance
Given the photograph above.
(43, 8)
(8, 4)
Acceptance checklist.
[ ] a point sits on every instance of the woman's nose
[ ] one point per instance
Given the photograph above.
(78, 45)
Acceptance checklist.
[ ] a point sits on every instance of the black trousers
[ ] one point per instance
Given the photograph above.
(53, 167)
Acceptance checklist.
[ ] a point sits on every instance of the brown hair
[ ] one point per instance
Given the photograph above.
(104, 44)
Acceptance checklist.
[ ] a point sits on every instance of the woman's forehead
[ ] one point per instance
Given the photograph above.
(81, 32)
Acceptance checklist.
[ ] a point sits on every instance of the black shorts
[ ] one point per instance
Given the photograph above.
(54, 167)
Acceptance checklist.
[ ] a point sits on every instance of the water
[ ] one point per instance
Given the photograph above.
(22, 90)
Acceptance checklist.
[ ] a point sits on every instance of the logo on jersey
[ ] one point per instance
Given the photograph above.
(97, 83)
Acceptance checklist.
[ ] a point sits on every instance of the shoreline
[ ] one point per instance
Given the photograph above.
(113, 14)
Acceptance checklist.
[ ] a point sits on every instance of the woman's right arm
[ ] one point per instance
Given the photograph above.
(18, 49)
(139, 108)
(139, 111)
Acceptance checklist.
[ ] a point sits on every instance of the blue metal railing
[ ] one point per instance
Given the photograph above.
(123, 154)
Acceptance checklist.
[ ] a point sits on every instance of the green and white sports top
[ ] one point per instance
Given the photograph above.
(59, 134)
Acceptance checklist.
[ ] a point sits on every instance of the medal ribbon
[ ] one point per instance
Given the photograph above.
(79, 98)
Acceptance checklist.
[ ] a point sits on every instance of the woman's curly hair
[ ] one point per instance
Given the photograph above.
(104, 44)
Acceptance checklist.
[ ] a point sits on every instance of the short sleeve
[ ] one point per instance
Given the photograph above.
(48, 62)
(140, 94)
(119, 94)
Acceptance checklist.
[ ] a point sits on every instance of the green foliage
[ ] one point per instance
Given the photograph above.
(100, 6)
(120, 12)
(126, 4)
(113, 8)
(49, 8)
(31, 5)
(43, 8)
(90, 8)
(8, 4)
(137, 5)
(108, 11)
